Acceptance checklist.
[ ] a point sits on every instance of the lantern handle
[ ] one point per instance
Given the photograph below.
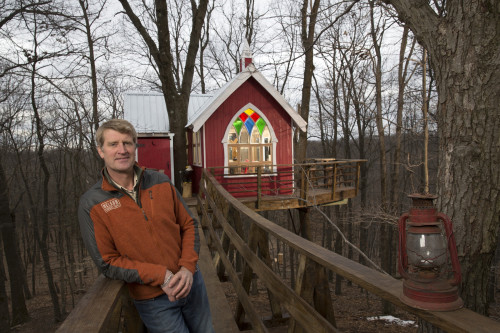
(452, 248)
(402, 256)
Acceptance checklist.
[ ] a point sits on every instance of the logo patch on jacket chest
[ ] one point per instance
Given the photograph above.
(111, 204)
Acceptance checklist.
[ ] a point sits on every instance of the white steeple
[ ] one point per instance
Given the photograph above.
(246, 56)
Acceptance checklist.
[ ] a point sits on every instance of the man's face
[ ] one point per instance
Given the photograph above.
(117, 151)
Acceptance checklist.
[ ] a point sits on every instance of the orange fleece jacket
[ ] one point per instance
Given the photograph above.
(138, 242)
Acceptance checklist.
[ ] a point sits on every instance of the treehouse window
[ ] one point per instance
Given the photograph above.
(249, 144)
(197, 148)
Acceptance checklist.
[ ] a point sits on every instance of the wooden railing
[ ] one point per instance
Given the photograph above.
(239, 238)
(105, 307)
(235, 231)
(321, 181)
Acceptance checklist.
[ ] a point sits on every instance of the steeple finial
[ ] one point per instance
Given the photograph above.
(246, 56)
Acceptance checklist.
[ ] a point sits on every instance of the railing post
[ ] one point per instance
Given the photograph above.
(259, 187)
(358, 175)
(132, 322)
(334, 180)
(304, 184)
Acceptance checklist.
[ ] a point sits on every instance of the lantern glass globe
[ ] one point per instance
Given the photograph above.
(426, 250)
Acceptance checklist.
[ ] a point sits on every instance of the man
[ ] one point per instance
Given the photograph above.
(137, 229)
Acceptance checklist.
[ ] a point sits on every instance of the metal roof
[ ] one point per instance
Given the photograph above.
(148, 113)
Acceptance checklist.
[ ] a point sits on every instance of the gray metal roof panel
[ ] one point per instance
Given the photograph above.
(148, 113)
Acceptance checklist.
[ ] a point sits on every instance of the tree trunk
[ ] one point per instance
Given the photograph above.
(402, 82)
(315, 289)
(93, 71)
(176, 93)
(385, 229)
(42, 239)
(307, 36)
(4, 299)
(464, 49)
(377, 71)
(9, 237)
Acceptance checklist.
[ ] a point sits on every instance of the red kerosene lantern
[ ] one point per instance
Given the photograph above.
(428, 260)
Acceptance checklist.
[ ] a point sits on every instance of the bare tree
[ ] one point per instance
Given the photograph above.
(463, 42)
(232, 28)
(11, 250)
(309, 14)
(175, 69)
(403, 76)
(204, 42)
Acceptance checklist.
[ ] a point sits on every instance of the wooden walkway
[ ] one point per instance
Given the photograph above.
(222, 217)
(222, 315)
(235, 246)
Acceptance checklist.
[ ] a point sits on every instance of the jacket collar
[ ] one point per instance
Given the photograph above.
(107, 183)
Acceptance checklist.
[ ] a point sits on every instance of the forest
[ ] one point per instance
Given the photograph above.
(412, 86)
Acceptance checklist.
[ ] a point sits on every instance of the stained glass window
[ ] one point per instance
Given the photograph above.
(249, 144)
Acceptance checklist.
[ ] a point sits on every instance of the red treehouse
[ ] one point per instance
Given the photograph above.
(242, 133)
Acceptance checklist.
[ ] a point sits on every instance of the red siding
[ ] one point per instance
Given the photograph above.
(154, 153)
(196, 178)
(249, 92)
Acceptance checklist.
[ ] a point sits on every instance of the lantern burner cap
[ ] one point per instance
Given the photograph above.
(423, 200)
(427, 274)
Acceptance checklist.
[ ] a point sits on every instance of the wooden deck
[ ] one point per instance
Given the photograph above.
(315, 197)
(316, 183)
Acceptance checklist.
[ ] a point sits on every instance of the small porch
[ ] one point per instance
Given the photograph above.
(320, 182)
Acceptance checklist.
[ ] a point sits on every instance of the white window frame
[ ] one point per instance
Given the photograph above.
(274, 139)
(196, 145)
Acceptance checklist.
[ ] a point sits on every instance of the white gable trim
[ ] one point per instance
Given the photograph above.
(214, 104)
(297, 119)
(237, 81)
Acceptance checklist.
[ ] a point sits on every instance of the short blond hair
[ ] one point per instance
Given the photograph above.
(119, 125)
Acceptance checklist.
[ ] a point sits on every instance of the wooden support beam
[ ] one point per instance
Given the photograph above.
(296, 306)
(259, 186)
(257, 324)
(131, 320)
(358, 175)
(265, 255)
(377, 283)
(222, 316)
(247, 276)
(334, 181)
(219, 266)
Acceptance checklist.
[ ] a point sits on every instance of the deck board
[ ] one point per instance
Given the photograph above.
(222, 315)
(315, 197)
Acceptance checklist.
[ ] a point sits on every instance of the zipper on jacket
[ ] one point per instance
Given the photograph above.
(138, 188)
